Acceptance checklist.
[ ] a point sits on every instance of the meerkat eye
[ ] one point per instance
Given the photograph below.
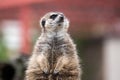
(43, 23)
(53, 16)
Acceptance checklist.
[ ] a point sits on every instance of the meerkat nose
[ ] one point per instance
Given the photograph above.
(61, 19)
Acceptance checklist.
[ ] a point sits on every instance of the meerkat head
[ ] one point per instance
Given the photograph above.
(54, 21)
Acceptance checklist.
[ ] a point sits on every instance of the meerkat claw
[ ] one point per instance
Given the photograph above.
(56, 72)
(45, 71)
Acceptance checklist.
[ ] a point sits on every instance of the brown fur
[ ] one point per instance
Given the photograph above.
(54, 58)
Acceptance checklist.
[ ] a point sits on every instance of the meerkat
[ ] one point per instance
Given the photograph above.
(54, 56)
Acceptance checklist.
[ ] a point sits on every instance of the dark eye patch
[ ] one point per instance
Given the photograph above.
(53, 16)
(43, 23)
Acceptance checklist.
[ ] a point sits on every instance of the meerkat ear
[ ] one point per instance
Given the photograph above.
(42, 23)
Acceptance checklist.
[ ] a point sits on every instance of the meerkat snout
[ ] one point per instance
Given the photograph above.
(61, 19)
(57, 18)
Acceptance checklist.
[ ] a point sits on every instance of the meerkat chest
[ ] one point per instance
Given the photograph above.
(56, 50)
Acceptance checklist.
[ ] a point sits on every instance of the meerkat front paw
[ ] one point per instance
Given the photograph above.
(55, 72)
(62, 61)
(45, 68)
(44, 65)
(45, 71)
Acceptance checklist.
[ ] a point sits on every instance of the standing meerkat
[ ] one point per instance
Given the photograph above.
(54, 56)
